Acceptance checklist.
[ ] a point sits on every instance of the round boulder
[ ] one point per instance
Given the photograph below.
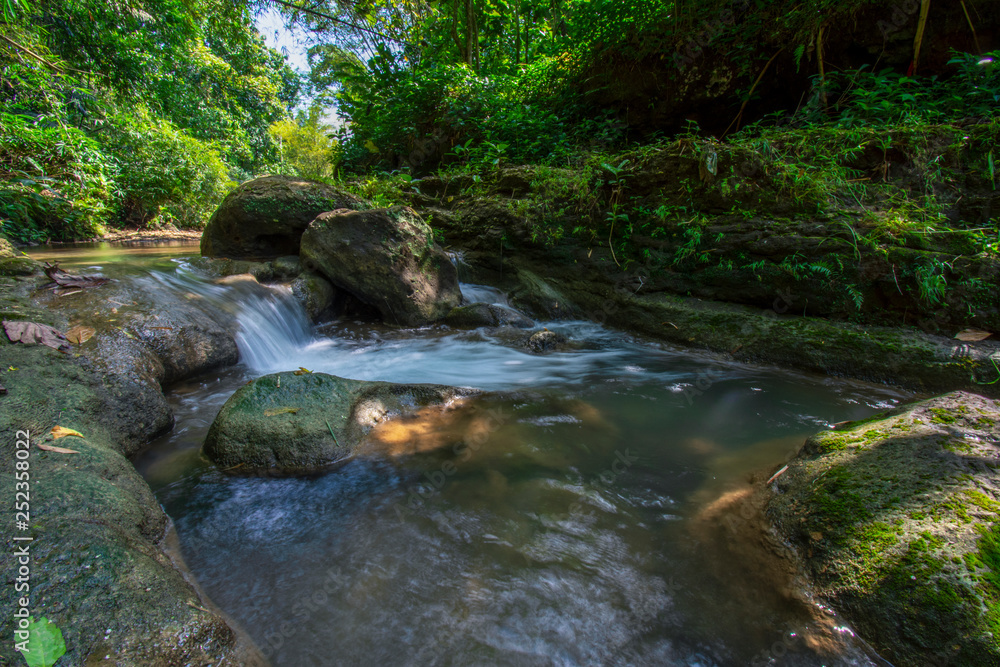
(264, 218)
(388, 259)
(286, 424)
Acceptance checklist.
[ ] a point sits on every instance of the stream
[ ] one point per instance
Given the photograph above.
(568, 533)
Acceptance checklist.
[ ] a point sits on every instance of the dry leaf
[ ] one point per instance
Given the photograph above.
(57, 450)
(301, 371)
(279, 411)
(80, 334)
(973, 335)
(31, 333)
(64, 280)
(62, 432)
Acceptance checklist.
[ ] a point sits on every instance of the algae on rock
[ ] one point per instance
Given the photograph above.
(897, 520)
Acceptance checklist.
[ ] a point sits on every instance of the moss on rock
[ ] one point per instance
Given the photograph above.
(264, 218)
(898, 529)
(289, 423)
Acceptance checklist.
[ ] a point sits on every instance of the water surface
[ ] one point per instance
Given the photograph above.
(567, 528)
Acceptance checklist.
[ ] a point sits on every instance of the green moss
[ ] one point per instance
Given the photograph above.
(982, 501)
(942, 416)
(872, 546)
(988, 575)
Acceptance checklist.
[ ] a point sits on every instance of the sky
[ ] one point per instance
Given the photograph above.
(272, 26)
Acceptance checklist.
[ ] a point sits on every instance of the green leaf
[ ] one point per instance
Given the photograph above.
(45, 644)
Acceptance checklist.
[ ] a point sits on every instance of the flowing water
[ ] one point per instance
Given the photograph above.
(569, 529)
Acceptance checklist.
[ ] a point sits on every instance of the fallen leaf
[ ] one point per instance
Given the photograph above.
(301, 371)
(31, 333)
(816, 536)
(57, 450)
(62, 432)
(972, 335)
(280, 411)
(63, 279)
(11, 368)
(80, 334)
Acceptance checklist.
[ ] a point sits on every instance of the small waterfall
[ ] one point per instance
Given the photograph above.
(273, 327)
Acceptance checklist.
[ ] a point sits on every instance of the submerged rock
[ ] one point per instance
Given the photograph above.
(285, 423)
(896, 520)
(545, 341)
(265, 217)
(388, 259)
(486, 315)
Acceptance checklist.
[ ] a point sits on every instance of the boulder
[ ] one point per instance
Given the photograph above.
(314, 293)
(264, 218)
(478, 315)
(285, 424)
(20, 266)
(388, 259)
(7, 249)
(545, 341)
(104, 572)
(897, 522)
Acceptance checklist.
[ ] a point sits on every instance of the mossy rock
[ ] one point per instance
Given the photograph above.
(896, 519)
(264, 218)
(288, 423)
(7, 249)
(103, 570)
(386, 258)
(19, 266)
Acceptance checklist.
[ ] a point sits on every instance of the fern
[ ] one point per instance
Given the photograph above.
(800, 51)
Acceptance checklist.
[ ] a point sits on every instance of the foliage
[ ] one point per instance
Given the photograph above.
(306, 145)
(56, 181)
(116, 113)
(161, 172)
(45, 643)
(863, 97)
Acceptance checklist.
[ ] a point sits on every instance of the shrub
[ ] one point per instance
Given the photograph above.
(56, 182)
(162, 174)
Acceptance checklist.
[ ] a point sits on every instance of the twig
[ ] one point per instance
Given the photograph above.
(925, 8)
(611, 245)
(971, 27)
(750, 94)
(332, 433)
(336, 20)
(776, 476)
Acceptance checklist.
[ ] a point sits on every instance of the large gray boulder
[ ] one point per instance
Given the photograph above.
(264, 218)
(388, 259)
(285, 424)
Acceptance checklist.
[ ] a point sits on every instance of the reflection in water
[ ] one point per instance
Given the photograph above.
(589, 512)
